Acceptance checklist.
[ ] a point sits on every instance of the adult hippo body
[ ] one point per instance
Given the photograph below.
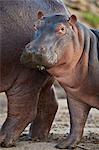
(70, 53)
(23, 86)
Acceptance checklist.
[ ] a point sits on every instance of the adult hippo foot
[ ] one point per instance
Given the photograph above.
(2, 137)
(25, 137)
(5, 141)
(68, 143)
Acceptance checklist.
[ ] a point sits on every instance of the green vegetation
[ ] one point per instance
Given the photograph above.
(91, 18)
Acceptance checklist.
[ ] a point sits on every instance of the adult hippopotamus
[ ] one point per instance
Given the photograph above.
(29, 93)
(69, 51)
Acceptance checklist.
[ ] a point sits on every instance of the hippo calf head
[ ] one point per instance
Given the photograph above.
(53, 37)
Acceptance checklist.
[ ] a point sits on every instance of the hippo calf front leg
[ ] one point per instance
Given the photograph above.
(78, 116)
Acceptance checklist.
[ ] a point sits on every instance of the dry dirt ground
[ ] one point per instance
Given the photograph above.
(60, 129)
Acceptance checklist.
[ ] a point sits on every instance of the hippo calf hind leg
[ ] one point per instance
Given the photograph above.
(47, 108)
(22, 109)
(78, 116)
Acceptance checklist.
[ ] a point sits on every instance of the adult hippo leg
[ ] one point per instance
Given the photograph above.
(78, 116)
(22, 107)
(47, 108)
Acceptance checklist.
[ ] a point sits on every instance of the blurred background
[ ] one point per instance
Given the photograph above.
(86, 10)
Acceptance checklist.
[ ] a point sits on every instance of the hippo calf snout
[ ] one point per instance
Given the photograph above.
(31, 48)
(30, 58)
(35, 54)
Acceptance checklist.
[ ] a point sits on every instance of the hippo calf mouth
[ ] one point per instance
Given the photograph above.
(38, 61)
(34, 58)
(30, 60)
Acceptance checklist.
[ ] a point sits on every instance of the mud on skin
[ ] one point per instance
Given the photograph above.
(27, 90)
(70, 52)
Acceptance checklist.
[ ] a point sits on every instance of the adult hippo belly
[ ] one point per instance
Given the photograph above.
(23, 86)
(70, 52)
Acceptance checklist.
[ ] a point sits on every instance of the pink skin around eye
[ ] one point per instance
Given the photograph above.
(60, 29)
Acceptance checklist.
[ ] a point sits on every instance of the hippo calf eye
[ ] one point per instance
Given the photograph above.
(61, 29)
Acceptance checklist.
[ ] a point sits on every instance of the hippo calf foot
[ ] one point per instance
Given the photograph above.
(68, 143)
(80, 110)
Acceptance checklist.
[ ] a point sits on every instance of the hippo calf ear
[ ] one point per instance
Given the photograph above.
(40, 15)
(73, 20)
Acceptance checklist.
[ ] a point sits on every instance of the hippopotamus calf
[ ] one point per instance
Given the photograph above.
(69, 51)
(29, 92)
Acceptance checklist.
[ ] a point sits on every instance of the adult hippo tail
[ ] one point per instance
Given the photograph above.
(29, 93)
(70, 52)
